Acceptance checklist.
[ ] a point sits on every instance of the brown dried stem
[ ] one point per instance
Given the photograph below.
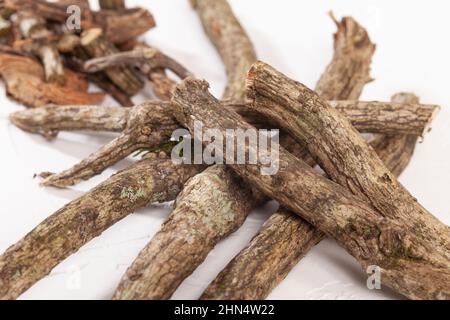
(25, 82)
(70, 44)
(63, 233)
(148, 125)
(53, 11)
(367, 117)
(237, 54)
(112, 4)
(139, 133)
(48, 121)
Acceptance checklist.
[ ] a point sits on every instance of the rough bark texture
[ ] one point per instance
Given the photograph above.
(47, 121)
(53, 11)
(161, 83)
(237, 54)
(414, 263)
(63, 233)
(285, 237)
(231, 41)
(189, 234)
(407, 118)
(116, 23)
(25, 82)
(76, 56)
(97, 46)
(138, 133)
(103, 82)
(341, 76)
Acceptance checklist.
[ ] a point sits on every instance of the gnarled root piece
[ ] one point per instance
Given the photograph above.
(285, 238)
(147, 59)
(139, 133)
(25, 82)
(407, 118)
(416, 265)
(48, 121)
(161, 83)
(70, 44)
(354, 165)
(231, 41)
(63, 233)
(53, 11)
(182, 244)
(112, 4)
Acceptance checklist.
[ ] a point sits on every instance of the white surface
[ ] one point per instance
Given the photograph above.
(294, 36)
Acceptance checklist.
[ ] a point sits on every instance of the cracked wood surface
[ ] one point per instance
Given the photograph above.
(48, 121)
(237, 55)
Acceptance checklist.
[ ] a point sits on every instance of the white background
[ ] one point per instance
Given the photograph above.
(296, 37)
